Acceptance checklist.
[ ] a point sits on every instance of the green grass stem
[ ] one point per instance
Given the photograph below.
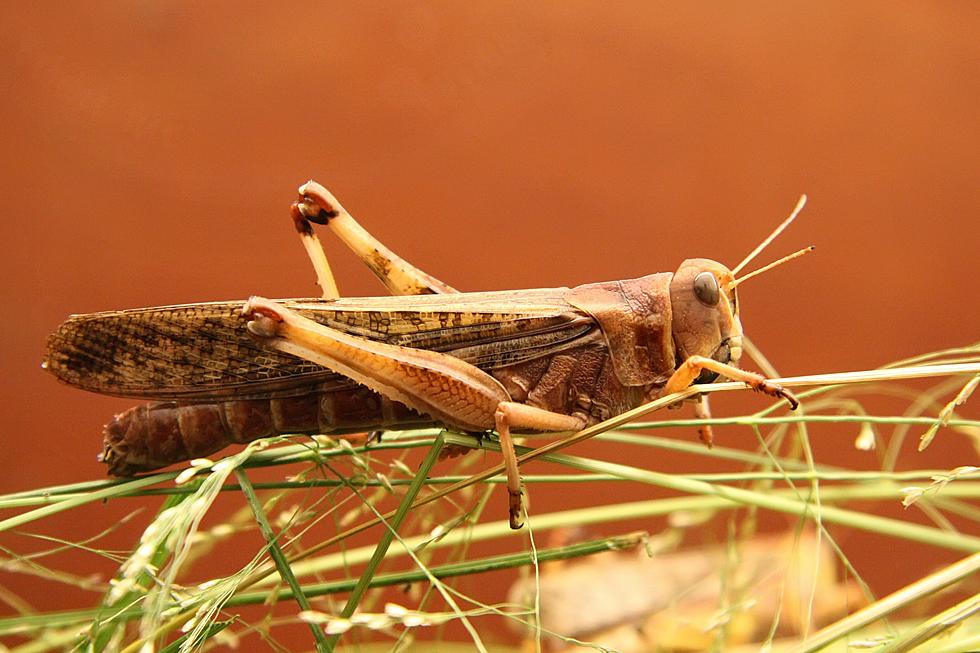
(934, 626)
(32, 623)
(775, 502)
(275, 551)
(389, 535)
(879, 609)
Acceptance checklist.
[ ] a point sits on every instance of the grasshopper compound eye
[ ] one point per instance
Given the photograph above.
(706, 289)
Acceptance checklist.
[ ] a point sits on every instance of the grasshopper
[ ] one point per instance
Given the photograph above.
(541, 360)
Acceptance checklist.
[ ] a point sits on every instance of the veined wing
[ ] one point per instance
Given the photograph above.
(202, 352)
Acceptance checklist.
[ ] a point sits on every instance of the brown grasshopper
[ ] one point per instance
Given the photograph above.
(544, 360)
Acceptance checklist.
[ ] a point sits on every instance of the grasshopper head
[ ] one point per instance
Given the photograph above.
(704, 306)
(704, 312)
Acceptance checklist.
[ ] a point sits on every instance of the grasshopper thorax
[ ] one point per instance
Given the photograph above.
(705, 312)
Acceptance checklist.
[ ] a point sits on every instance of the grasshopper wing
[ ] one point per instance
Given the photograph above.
(202, 352)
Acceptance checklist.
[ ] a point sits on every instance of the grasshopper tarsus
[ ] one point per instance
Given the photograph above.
(775, 390)
(706, 435)
(316, 203)
(794, 403)
(516, 509)
(300, 221)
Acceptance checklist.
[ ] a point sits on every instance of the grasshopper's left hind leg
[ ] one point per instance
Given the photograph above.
(317, 204)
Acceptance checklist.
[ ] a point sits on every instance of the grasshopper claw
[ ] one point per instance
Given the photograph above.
(794, 403)
(516, 508)
(776, 390)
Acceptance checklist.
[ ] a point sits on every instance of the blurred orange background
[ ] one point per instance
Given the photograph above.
(151, 150)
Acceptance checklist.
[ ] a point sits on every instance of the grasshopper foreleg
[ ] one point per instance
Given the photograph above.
(448, 389)
(689, 370)
(317, 204)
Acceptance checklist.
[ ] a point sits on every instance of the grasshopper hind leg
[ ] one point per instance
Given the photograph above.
(446, 388)
(317, 204)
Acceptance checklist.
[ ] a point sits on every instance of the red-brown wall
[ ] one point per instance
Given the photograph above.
(150, 151)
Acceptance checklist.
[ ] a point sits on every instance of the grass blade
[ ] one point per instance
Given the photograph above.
(389, 535)
(275, 551)
(886, 606)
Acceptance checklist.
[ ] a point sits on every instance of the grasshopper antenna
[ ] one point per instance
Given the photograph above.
(766, 268)
(778, 230)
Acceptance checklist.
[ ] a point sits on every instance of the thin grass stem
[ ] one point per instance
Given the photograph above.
(919, 589)
(31, 623)
(389, 535)
(775, 502)
(275, 551)
(935, 626)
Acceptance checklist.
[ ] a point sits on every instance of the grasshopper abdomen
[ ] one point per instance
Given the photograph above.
(161, 433)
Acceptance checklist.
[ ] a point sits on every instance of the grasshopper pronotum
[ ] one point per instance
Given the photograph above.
(555, 359)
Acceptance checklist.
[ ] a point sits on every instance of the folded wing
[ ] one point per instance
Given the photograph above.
(202, 352)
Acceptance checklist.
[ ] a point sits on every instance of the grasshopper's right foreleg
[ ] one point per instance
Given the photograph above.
(691, 368)
(317, 204)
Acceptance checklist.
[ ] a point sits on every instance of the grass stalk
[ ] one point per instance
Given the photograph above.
(80, 500)
(93, 491)
(465, 568)
(879, 609)
(820, 473)
(706, 491)
(768, 500)
(389, 535)
(934, 626)
(275, 552)
(866, 376)
(30, 623)
(604, 515)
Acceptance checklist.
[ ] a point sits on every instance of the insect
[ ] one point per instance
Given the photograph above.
(544, 360)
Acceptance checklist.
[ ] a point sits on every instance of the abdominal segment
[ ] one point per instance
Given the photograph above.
(158, 434)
